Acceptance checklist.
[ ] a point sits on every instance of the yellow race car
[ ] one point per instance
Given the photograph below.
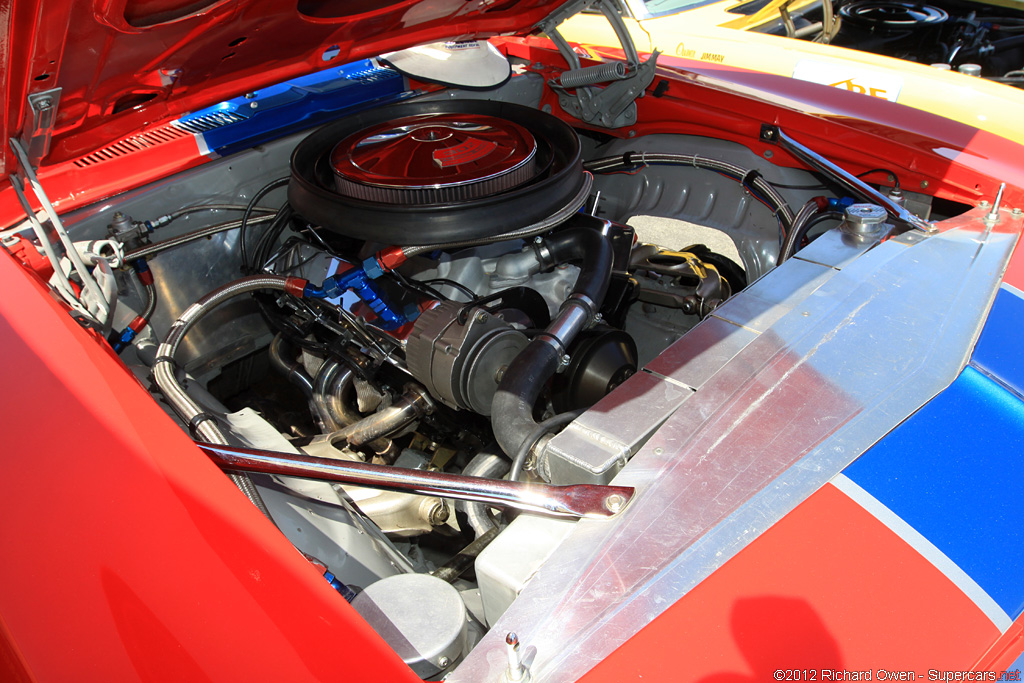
(704, 36)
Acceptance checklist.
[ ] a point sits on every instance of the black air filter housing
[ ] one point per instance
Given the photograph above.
(438, 171)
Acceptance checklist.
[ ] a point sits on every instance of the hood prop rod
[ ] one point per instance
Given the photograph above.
(850, 182)
(582, 500)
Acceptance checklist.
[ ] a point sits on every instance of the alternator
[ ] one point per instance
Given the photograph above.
(459, 354)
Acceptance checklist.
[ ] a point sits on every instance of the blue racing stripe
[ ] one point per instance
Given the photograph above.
(300, 103)
(954, 471)
(998, 352)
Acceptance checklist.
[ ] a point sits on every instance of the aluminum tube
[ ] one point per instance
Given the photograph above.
(412, 405)
(289, 368)
(570, 321)
(489, 466)
(581, 500)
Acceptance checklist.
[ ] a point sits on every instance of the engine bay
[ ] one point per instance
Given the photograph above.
(447, 286)
(975, 39)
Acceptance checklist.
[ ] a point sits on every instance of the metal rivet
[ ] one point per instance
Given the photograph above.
(924, 184)
(768, 154)
(659, 450)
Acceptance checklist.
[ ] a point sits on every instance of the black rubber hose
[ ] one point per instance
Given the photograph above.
(519, 461)
(512, 408)
(592, 252)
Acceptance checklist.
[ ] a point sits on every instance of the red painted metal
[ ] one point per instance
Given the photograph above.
(930, 153)
(828, 587)
(126, 65)
(127, 553)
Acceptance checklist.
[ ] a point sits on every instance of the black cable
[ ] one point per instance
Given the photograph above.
(895, 178)
(265, 244)
(452, 283)
(264, 191)
(821, 218)
(415, 285)
(519, 459)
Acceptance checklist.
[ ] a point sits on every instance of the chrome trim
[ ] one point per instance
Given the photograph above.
(851, 182)
(556, 501)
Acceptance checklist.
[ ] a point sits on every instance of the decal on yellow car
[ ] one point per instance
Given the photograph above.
(705, 56)
(848, 77)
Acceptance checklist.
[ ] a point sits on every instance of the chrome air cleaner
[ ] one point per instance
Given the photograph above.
(434, 158)
(437, 171)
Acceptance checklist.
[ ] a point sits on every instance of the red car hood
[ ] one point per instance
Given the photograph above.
(122, 64)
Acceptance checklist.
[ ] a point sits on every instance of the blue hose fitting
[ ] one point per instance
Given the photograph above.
(357, 280)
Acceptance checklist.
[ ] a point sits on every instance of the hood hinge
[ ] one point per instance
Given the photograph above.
(35, 138)
(614, 105)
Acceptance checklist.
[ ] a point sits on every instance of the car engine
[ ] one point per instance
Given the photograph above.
(441, 289)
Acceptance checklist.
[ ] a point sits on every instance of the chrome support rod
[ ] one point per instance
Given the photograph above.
(558, 501)
(852, 183)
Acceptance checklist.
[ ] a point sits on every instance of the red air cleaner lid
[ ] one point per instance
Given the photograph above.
(434, 158)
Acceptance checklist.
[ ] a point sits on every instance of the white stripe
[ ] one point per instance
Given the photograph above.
(1012, 290)
(926, 549)
(201, 143)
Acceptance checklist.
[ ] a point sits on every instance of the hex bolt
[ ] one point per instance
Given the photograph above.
(614, 503)
(439, 515)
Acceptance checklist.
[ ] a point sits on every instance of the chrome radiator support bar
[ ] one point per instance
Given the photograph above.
(559, 501)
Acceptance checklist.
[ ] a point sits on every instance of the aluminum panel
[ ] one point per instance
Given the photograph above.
(787, 413)
(771, 297)
(836, 248)
(701, 352)
(593, 448)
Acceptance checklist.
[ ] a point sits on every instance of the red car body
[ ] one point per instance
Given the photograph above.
(128, 554)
